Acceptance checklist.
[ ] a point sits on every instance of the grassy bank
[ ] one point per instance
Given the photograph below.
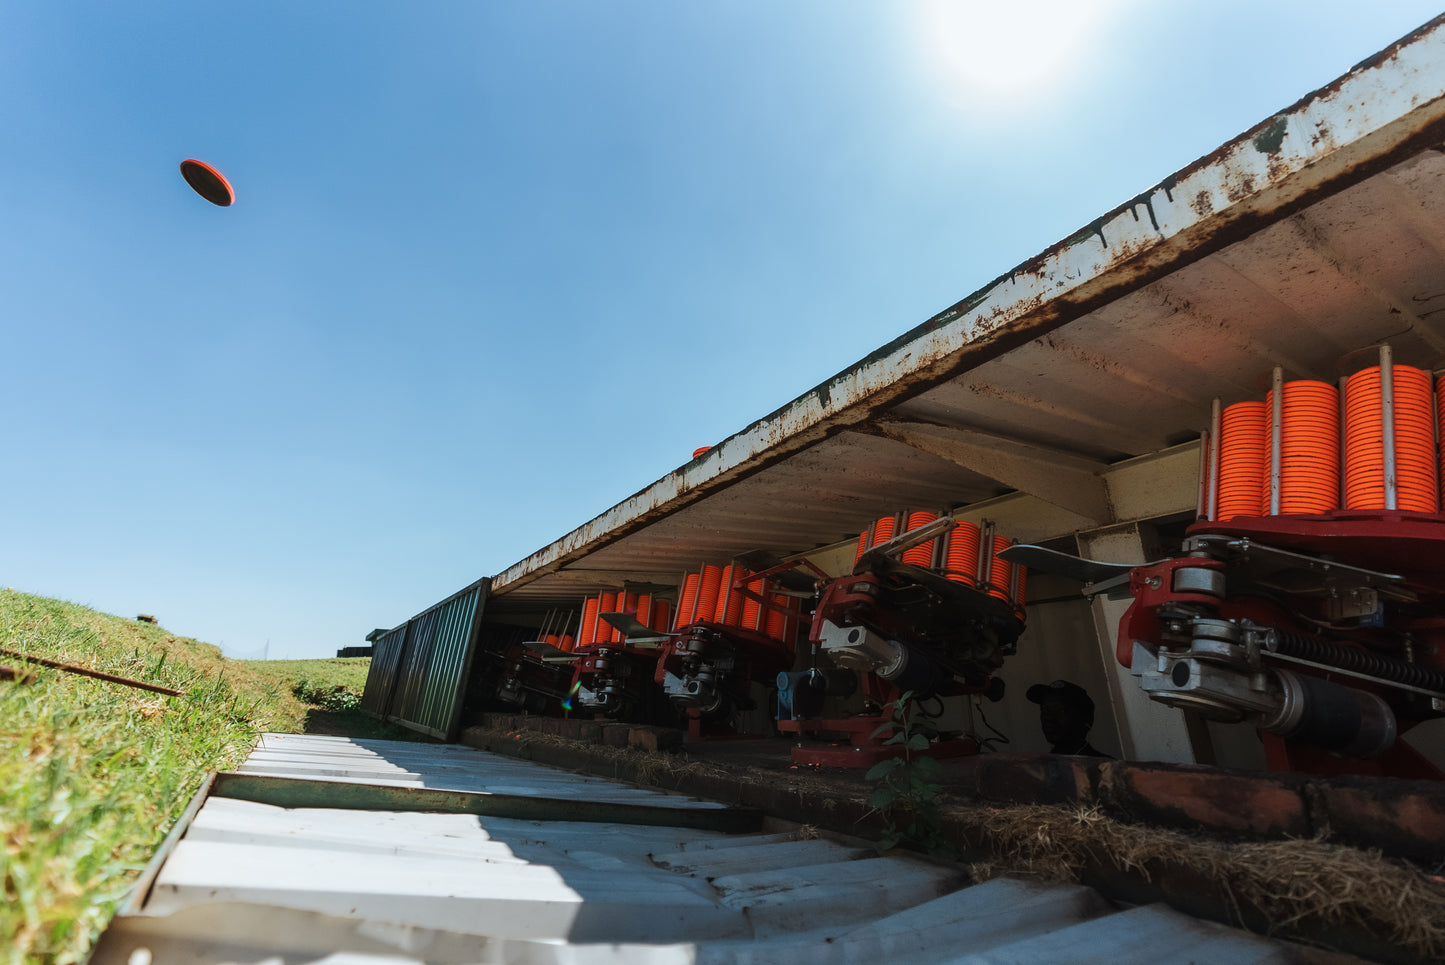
(93, 774)
(348, 672)
(330, 695)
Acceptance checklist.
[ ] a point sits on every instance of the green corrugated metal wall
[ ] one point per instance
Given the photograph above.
(419, 670)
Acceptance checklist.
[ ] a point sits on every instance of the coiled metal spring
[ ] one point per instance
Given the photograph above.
(1358, 659)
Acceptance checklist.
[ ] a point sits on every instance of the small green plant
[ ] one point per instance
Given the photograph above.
(337, 699)
(905, 791)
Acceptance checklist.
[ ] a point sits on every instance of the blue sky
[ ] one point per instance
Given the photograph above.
(495, 266)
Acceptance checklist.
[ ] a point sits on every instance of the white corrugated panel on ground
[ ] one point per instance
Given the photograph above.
(442, 766)
(251, 881)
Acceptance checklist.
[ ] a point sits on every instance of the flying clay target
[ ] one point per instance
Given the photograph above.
(208, 182)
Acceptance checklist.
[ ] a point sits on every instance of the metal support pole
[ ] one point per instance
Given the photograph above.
(985, 553)
(1014, 575)
(1211, 507)
(1344, 441)
(1387, 423)
(696, 598)
(1276, 417)
(1202, 507)
(1434, 429)
(940, 545)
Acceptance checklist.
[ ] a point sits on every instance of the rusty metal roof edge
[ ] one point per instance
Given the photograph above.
(1390, 106)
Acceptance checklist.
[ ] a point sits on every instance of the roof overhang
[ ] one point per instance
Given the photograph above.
(1316, 233)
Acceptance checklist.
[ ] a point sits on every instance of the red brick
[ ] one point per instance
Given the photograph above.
(507, 722)
(615, 735)
(655, 738)
(960, 775)
(1205, 798)
(1035, 779)
(537, 725)
(589, 731)
(573, 728)
(1403, 819)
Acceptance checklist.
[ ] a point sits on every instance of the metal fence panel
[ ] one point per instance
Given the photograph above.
(381, 678)
(418, 677)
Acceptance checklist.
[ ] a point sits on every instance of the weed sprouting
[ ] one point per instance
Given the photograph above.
(337, 698)
(905, 791)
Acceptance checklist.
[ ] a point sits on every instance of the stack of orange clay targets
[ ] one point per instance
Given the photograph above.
(712, 596)
(1307, 454)
(958, 554)
(1309, 478)
(595, 631)
(1415, 451)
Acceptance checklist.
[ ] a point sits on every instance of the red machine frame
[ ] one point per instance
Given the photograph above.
(1286, 581)
(920, 631)
(713, 660)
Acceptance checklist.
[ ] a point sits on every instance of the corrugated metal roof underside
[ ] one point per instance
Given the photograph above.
(1317, 233)
(253, 882)
(1132, 377)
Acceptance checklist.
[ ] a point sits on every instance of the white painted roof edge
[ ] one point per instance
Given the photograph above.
(1376, 113)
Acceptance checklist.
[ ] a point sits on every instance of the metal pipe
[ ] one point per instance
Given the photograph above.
(16, 676)
(1215, 417)
(1276, 423)
(1387, 423)
(86, 672)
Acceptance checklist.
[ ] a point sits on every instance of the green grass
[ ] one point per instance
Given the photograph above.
(330, 691)
(93, 774)
(349, 672)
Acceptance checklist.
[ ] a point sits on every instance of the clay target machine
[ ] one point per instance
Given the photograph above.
(1308, 600)
(930, 612)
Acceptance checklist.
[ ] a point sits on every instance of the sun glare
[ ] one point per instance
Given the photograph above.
(1003, 55)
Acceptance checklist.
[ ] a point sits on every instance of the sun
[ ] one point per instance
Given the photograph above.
(992, 55)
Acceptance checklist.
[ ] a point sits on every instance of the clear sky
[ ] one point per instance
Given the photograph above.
(495, 266)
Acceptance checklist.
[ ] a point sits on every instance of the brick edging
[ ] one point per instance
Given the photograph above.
(1401, 819)
(1158, 794)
